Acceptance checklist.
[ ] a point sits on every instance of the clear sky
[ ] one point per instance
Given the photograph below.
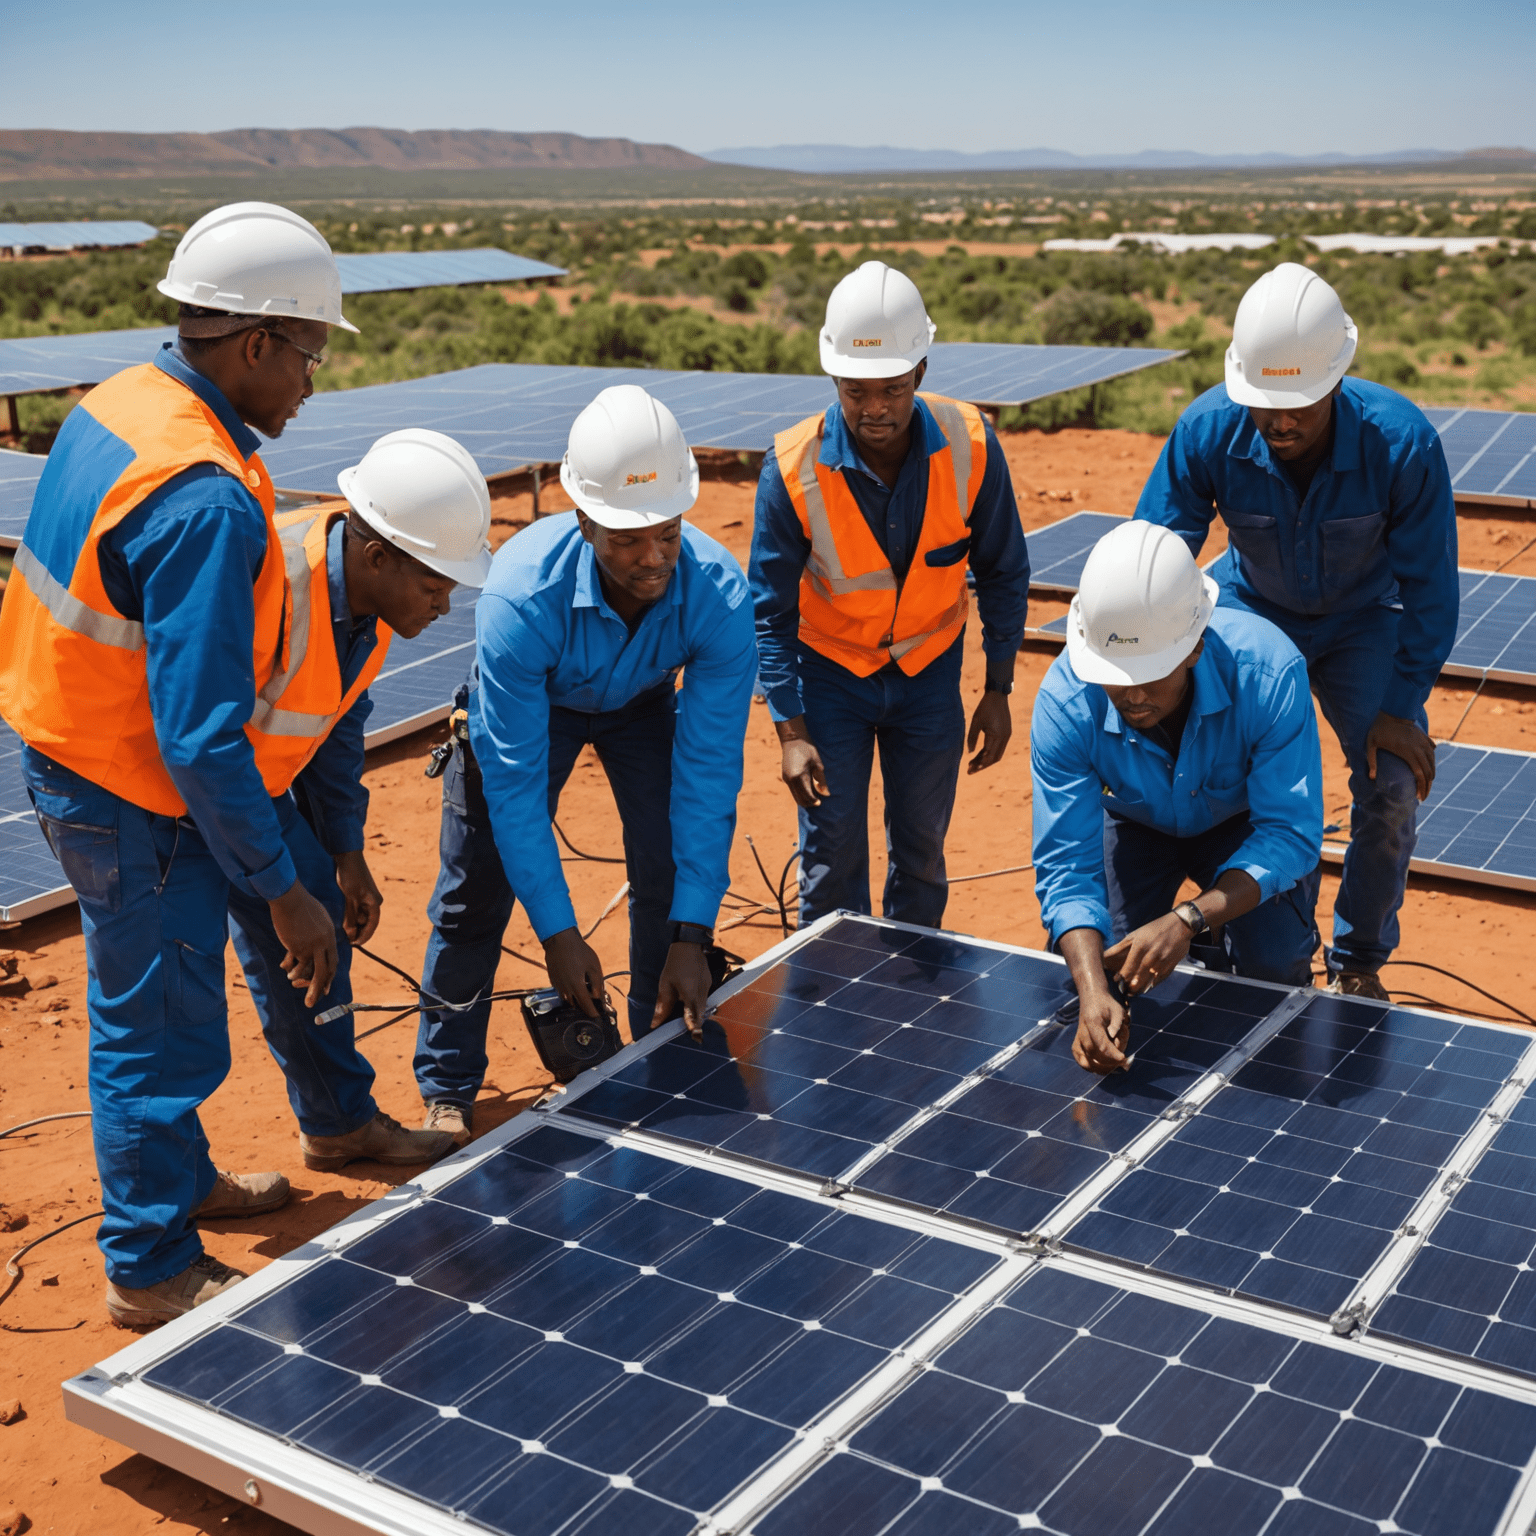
(1359, 76)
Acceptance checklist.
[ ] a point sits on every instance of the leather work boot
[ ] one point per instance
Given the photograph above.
(382, 1140)
(242, 1194)
(1359, 984)
(155, 1304)
(456, 1119)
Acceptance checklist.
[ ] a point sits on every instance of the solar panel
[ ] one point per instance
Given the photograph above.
(392, 271)
(1059, 551)
(1001, 374)
(80, 235)
(1079, 1405)
(1496, 628)
(35, 364)
(579, 1328)
(1492, 454)
(19, 474)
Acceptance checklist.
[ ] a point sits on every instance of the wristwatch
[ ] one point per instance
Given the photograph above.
(693, 933)
(1192, 917)
(993, 686)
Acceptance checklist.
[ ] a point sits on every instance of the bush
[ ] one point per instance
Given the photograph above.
(1388, 368)
(1074, 318)
(1479, 322)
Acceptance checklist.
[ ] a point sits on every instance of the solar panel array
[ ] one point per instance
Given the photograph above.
(1213, 1293)
(36, 364)
(1059, 551)
(396, 271)
(19, 474)
(81, 235)
(1492, 454)
(1496, 628)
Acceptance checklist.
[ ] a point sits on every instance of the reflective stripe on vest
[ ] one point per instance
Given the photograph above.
(74, 679)
(848, 617)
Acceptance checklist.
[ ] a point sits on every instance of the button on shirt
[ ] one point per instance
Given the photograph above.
(547, 637)
(1377, 523)
(999, 557)
(1250, 744)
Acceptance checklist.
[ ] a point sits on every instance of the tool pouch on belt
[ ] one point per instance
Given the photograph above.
(568, 1042)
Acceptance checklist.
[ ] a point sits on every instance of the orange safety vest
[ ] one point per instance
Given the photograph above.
(296, 709)
(852, 608)
(73, 678)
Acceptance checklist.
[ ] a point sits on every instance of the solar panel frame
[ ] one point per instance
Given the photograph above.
(1491, 454)
(19, 474)
(1495, 628)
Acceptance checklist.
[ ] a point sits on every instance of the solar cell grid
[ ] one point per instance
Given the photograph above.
(1077, 1407)
(1289, 1184)
(1496, 628)
(1058, 552)
(607, 1338)
(19, 474)
(1480, 819)
(1007, 1152)
(830, 1052)
(1491, 454)
(29, 364)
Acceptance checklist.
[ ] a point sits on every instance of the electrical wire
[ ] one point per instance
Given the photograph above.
(1012, 869)
(618, 896)
(1468, 710)
(1470, 1013)
(1439, 970)
(73, 1114)
(13, 1264)
(594, 858)
(777, 891)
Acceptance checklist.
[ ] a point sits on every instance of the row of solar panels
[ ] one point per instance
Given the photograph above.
(874, 1257)
(77, 236)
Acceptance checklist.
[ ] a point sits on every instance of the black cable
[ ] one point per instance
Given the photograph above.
(783, 878)
(776, 891)
(1470, 1013)
(73, 1114)
(1424, 965)
(594, 858)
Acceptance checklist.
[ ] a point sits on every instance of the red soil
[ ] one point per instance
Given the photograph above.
(68, 1480)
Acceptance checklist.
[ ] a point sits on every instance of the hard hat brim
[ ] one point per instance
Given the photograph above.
(1241, 392)
(468, 573)
(891, 366)
(620, 518)
(1091, 667)
(184, 295)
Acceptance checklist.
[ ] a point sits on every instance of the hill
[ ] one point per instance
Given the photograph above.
(38, 154)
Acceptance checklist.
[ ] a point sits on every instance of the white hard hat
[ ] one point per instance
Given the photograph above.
(877, 327)
(1141, 606)
(626, 464)
(424, 493)
(1291, 341)
(257, 259)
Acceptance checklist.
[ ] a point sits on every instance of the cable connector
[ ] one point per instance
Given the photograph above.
(340, 1011)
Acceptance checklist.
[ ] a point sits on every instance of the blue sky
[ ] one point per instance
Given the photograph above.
(1311, 76)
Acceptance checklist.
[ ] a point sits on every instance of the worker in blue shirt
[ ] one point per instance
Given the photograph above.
(1172, 740)
(1342, 528)
(583, 627)
(868, 517)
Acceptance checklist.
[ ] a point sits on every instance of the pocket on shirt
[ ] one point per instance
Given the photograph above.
(1226, 799)
(1256, 538)
(949, 554)
(1353, 547)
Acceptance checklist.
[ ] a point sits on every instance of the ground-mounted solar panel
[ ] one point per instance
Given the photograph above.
(1491, 454)
(397, 271)
(1495, 629)
(415, 686)
(1059, 551)
(998, 374)
(78, 235)
(19, 474)
(36, 364)
(1081, 1405)
(31, 881)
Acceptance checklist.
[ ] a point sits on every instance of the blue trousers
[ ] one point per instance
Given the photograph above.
(918, 723)
(153, 908)
(472, 902)
(1350, 659)
(1144, 869)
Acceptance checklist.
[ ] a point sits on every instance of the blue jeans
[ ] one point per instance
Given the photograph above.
(1350, 659)
(919, 725)
(153, 905)
(472, 901)
(1144, 869)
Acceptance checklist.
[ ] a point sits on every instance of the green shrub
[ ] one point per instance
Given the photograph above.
(1074, 318)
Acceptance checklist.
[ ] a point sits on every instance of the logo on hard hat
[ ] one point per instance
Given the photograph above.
(872, 341)
(1115, 639)
(1280, 373)
(640, 479)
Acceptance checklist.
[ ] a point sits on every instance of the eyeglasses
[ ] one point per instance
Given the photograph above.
(312, 360)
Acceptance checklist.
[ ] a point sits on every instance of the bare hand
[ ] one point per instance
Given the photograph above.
(804, 772)
(575, 972)
(993, 720)
(684, 979)
(1402, 738)
(364, 899)
(309, 936)
(1148, 955)
(1103, 1032)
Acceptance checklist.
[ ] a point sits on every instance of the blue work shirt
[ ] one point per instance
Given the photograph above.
(998, 555)
(1250, 744)
(546, 637)
(1377, 525)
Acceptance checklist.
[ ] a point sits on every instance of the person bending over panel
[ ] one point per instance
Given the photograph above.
(1172, 740)
(868, 517)
(585, 623)
(1338, 505)
(145, 634)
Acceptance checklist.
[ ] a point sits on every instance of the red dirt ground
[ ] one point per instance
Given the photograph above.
(68, 1480)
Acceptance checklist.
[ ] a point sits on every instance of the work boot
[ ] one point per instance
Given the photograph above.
(382, 1140)
(242, 1194)
(456, 1119)
(1359, 984)
(152, 1305)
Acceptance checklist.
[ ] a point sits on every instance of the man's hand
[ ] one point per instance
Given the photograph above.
(309, 936)
(685, 980)
(994, 721)
(1103, 1031)
(1403, 739)
(1148, 955)
(803, 770)
(575, 972)
(363, 897)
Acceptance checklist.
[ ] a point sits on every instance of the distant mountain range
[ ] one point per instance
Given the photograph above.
(827, 159)
(36, 154)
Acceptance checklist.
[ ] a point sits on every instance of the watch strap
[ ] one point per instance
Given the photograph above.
(1189, 913)
(692, 933)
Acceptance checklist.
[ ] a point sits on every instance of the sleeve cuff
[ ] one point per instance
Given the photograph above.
(551, 916)
(343, 835)
(1269, 881)
(277, 878)
(1403, 698)
(1077, 914)
(1007, 646)
(701, 907)
(785, 703)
